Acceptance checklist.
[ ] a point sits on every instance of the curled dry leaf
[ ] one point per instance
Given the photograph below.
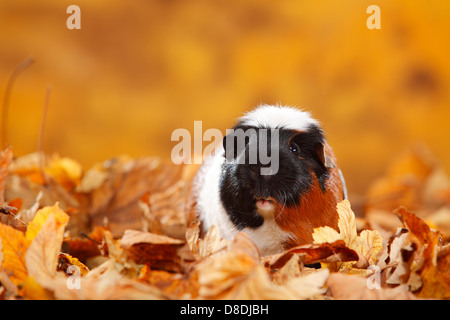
(114, 189)
(237, 273)
(66, 262)
(367, 244)
(350, 287)
(207, 245)
(391, 254)
(7, 217)
(428, 277)
(310, 254)
(156, 251)
(89, 246)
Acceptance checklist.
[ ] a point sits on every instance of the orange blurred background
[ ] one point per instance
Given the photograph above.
(138, 70)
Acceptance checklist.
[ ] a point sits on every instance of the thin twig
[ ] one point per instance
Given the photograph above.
(41, 133)
(89, 238)
(44, 117)
(7, 97)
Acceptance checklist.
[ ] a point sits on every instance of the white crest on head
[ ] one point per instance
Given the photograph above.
(270, 116)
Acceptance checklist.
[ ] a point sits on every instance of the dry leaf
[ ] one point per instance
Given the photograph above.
(394, 245)
(89, 246)
(174, 285)
(435, 274)
(66, 262)
(434, 281)
(42, 255)
(238, 273)
(350, 287)
(346, 222)
(34, 227)
(207, 245)
(113, 190)
(225, 274)
(112, 285)
(14, 247)
(32, 290)
(9, 219)
(5, 160)
(28, 181)
(368, 244)
(135, 264)
(157, 251)
(326, 235)
(310, 254)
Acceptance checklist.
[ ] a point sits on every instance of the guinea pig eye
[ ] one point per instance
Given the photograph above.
(293, 147)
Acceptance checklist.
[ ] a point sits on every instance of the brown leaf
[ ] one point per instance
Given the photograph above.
(428, 277)
(415, 225)
(9, 219)
(114, 188)
(238, 273)
(325, 252)
(66, 261)
(174, 285)
(436, 276)
(156, 251)
(87, 247)
(110, 285)
(350, 287)
(132, 237)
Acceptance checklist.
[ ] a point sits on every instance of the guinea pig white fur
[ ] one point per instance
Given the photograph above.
(280, 209)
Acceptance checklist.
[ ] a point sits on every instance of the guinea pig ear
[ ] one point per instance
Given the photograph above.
(324, 158)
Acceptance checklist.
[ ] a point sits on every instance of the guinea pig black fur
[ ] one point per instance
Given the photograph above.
(275, 178)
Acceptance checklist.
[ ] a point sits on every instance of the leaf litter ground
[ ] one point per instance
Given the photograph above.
(125, 229)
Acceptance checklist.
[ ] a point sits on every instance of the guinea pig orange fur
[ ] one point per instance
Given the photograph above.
(317, 209)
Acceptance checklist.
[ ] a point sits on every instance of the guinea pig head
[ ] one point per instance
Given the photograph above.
(280, 174)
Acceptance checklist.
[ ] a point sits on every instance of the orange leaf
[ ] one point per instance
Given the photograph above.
(326, 252)
(90, 246)
(157, 251)
(13, 246)
(61, 218)
(433, 271)
(32, 290)
(65, 261)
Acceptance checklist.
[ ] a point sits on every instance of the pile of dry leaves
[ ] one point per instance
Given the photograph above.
(118, 231)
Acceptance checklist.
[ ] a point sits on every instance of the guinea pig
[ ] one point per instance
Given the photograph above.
(279, 202)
